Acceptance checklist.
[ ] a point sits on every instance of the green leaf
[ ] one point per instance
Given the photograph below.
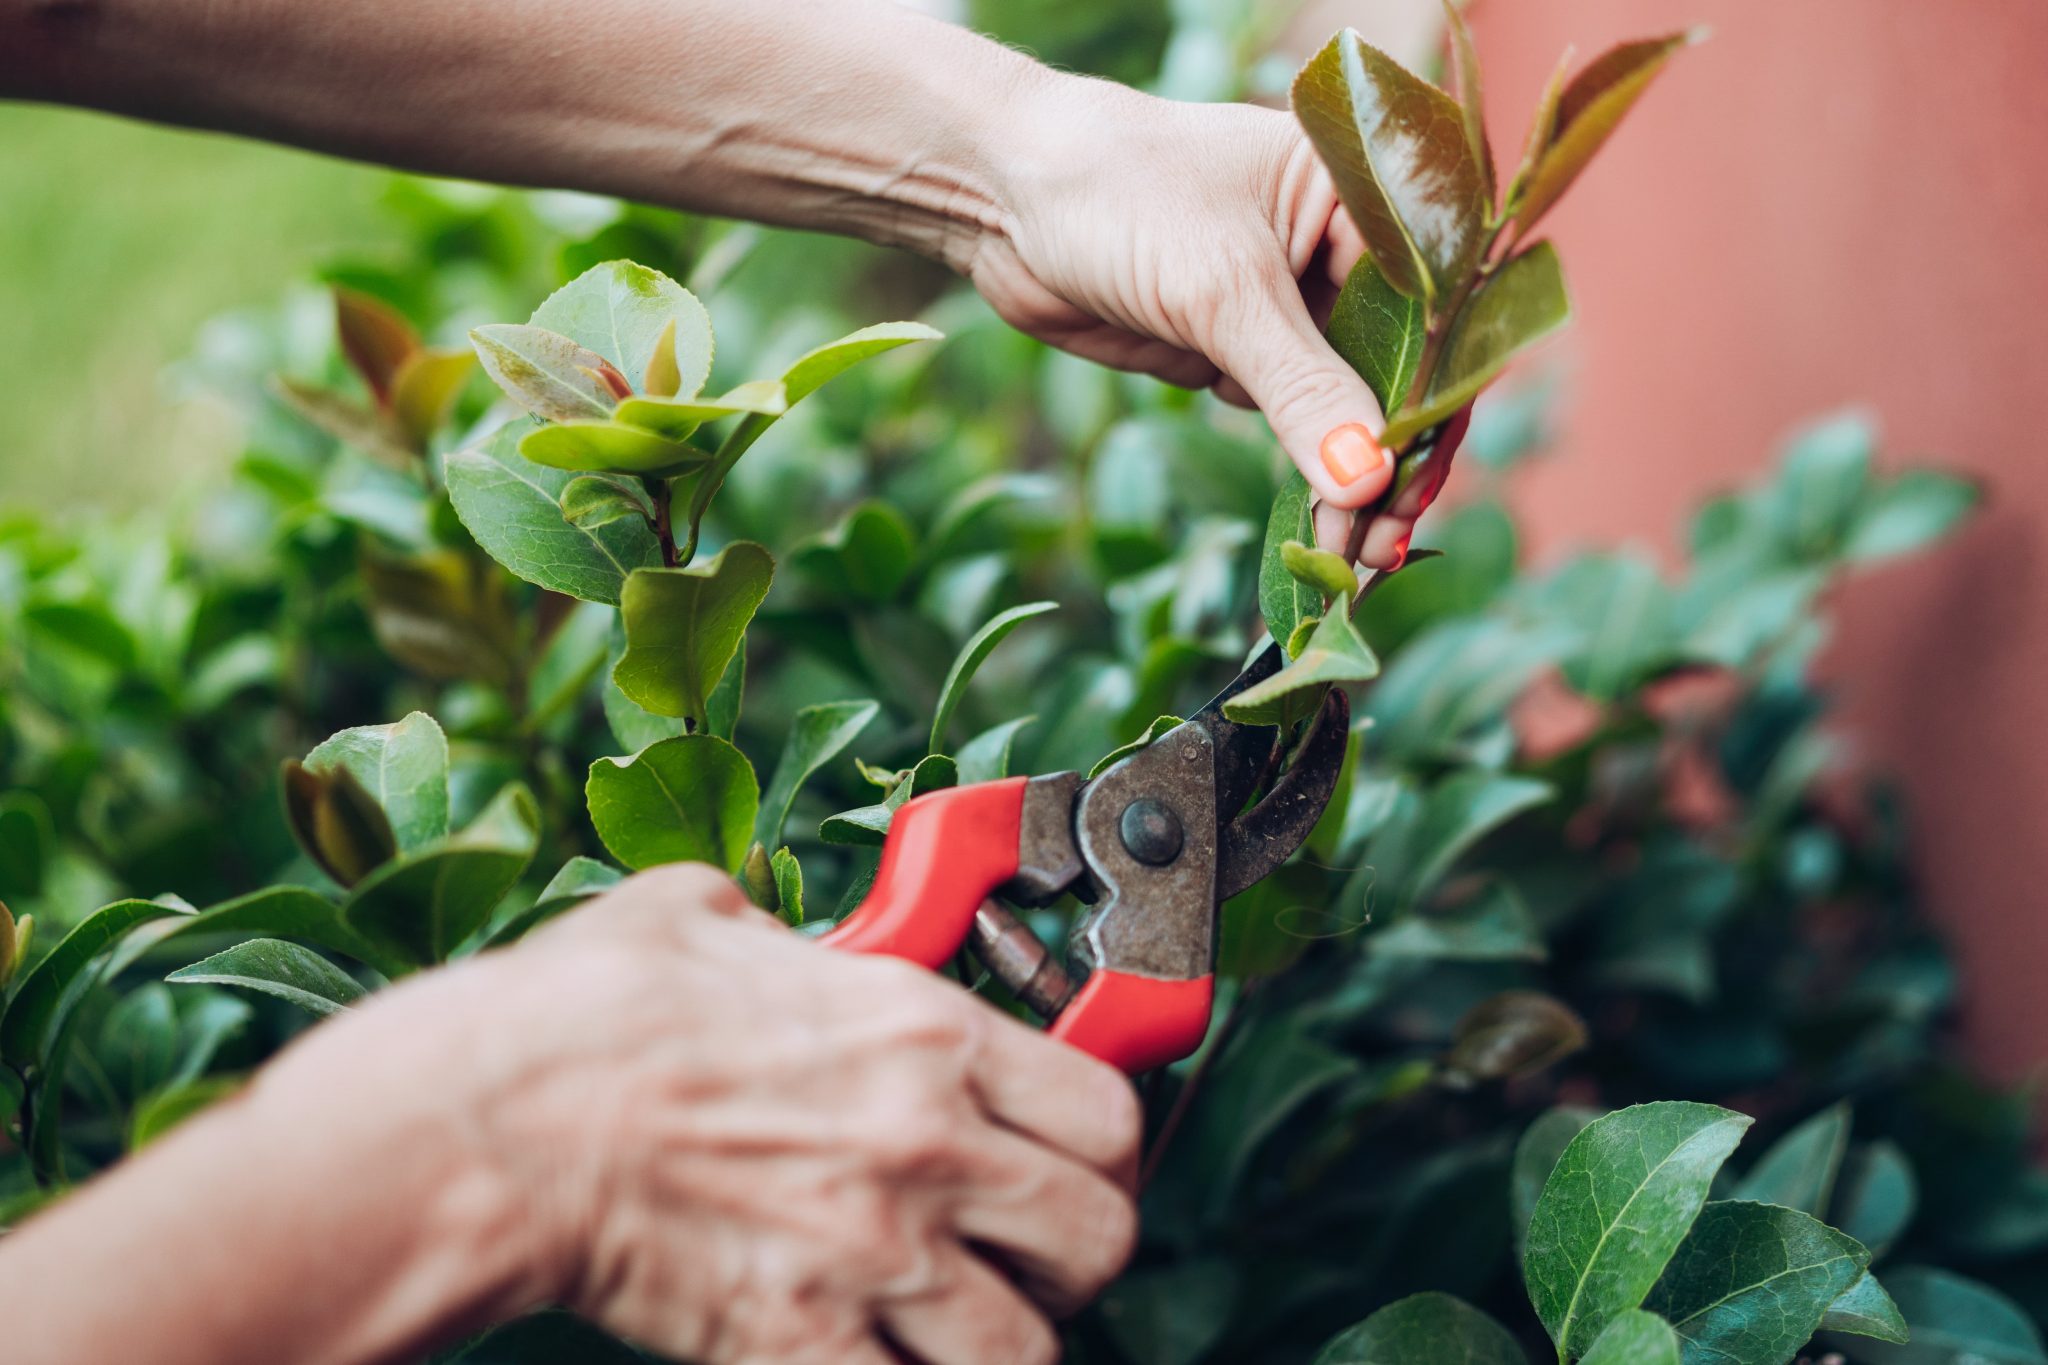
(337, 823)
(722, 708)
(1625, 617)
(625, 312)
(1284, 600)
(1513, 1034)
(1471, 94)
(424, 905)
(868, 826)
(1876, 1196)
(1380, 332)
(1615, 1209)
(1266, 1076)
(445, 613)
(1412, 854)
(512, 507)
(593, 500)
(404, 768)
(986, 757)
(789, 886)
(1592, 105)
(274, 912)
(1159, 726)
(1823, 482)
(1865, 1310)
(577, 881)
(167, 1108)
(1954, 1321)
(273, 967)
(1395, 146)
(1751, 1282)
(1173, 1315)
(545, 373)
(138, 1043)
(1320, 569)
(689, 799)
(677, 418)
(1536, 1155)
(425, 389)
(27, 839)
(1909, 513)
(683, 627)
(971, 657)
(867, 557)
(12, 1092)
(1799, 1171)
(816, 736)
(1523, 303)
(610, 447)
(1635, 1338)
(1426, 1329)
(48, 992)
(366, 429)
(1335, 653)
(1494, 926)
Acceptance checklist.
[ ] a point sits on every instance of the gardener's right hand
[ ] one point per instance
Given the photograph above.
(734, 1145)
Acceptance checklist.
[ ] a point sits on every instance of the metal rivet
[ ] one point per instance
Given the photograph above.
(1151, 832)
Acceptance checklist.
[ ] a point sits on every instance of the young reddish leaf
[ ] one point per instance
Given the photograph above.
(1523, 303)
(1470, 93)
(425, 389)
(375, 339)
(442, 613)
(615, 383)
(621, 311)
(1587, 113)
(547, 374)
(352, 423)
(1396, 148)
(1541, 128)
(663, 379)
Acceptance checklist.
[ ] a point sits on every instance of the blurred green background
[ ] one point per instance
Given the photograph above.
(120, 240)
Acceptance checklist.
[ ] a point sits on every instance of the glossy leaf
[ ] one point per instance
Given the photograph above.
(867, 557)
(337, 822)
(817, 735)
(1159, 726)
(593, 500)
(274, 912)
(369, 430)
(1616, 1207)
(1536, 1155)
(1321, 570)
(677, 418)
(1593, 103)
(512, 507)
(425, 389)
(986, 757)
(1427, 1329)
(374, 337)
(424, 905)
(404, 769)
(1876, 1197)
(868, 826)
(693, 798)
(46, 993)
(1751, 1282)
(1523, 303)
(1954, 1321)
(664, 376)
(789, 887)
(159, 1113)
(1419, 845)
(1494, 926)
(1395, 146)
(623, 311)
(1380, 332)
(684, 626)
(1334, 654)
(1470, 93)
(1635, 1338)
(444, 614)
(1514, 1034)
(573, 883)
(610, 447)
(273, 967)
(1284, 600)
(1799, 1171)
(545, 373)
(971, 657)
(1864, 1309)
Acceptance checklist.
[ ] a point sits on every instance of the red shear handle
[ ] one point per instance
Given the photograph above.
(1136, 1023)
(946, 853)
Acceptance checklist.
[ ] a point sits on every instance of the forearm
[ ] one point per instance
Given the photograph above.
(853, 116)
(333, 1214)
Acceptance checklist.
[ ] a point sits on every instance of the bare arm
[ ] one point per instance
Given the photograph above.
(1197, 243)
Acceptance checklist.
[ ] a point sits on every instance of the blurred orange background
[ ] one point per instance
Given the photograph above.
(1837, 202)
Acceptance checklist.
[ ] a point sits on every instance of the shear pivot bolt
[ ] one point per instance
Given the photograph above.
(1151, 832)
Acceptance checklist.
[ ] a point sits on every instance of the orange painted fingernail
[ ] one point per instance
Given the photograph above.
(1351, 452)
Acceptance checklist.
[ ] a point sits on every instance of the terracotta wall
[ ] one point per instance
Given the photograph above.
(1834, 202)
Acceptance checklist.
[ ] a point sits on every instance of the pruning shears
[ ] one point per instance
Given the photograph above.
(1156, 844)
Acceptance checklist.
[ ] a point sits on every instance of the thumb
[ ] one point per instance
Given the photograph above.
(1326, 418)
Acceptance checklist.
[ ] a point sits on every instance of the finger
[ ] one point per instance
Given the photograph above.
(1064, 1228)
(1346, 246)
(1333, 528)
(1325, 416)
(1386, 542)
(1232, 392)
(971, 1317)
(1058, 1095)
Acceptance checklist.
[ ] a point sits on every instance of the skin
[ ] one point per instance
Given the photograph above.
(665, 1111)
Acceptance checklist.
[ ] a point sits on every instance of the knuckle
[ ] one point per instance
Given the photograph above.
(920, 1139)
(1033, 1342)
(659, 887)
(1109, 1238)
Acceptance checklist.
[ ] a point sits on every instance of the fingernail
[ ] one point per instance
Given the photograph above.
(1351, 452)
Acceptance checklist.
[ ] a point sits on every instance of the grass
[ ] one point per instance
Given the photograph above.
(117, 241)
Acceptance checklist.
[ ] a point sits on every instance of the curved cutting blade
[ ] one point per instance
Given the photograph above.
(1265, 836)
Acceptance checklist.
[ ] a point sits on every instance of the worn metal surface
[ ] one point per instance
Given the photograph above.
(1258, 841)
(1015, 957)
(1048, 863)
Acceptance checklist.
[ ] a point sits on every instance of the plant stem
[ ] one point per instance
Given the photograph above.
(659, 491)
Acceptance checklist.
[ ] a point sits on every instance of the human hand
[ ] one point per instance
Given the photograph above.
(1203, 244)
(736, 1145)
